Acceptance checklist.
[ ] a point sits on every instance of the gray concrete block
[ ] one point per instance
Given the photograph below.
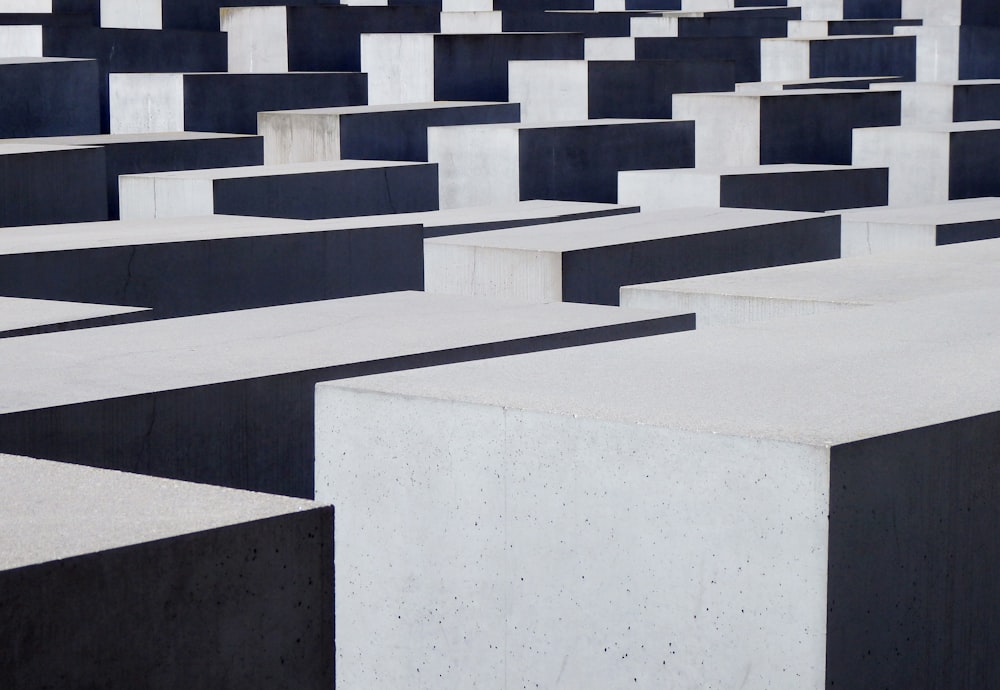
(589, 260)
(787, 187)
(838, 56)
(692, 504)
(48, 97)
(227, 398)
(800, 126)
(571, 161)
(196, 15)
(375, 132)
(935, 163)
(332, 189)
(947, 53)
(918, 227)
(31, 316)
(223, 102)
(189, 265)
(943, 102)
(743, 51)
(111, 580)
(791, 291)
(51, 184)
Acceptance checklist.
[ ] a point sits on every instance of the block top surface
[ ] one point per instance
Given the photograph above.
(820, 380)
(956, 211)
(16, 312)
(53, 510)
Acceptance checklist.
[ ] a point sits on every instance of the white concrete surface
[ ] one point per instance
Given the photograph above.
(17, 313)
(727, 129)
(146, 103)
(257, 38)
(400, 67)
(132, 14)
(550, 90)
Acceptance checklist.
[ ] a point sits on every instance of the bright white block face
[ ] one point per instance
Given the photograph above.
(619, 48)
(163, 196)
(40, 6)
(937, 51)
(918, 161)
(808, 29)
(146, 103)
(257, 38)
(298, 137)
(21, 41)
(477, 164)
(822, 9)
(728, 127)
(933, 12)
(784, 59)
(926, 104)
(860, 237)
(655, 190)
(471, 22)
(132, 14)
(400, 67)
(550, 90)
(466, 5)
(528, 275)
(495, 547)
(721, 309)
(665, 26)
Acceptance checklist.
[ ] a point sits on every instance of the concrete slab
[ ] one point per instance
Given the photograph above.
(589, 260)
(42, 183)
(126, 574)
(374, 132)
(227, 398)
(919, 227)
(790, 291)
(30, 316)
(692, 504)
(332, 189)
(571, 161)
(838, 56)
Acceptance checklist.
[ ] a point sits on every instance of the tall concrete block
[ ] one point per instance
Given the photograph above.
(222, 102)
(799, 126)
(838, 56)
(788, 187)
(933, 164)
(573, 161)
(227, 398)
(49, 97)
(416, 68)
(51, 184)
(685, 502)
(386, 132)
(589, 260)
(110, 579)
(554, 90)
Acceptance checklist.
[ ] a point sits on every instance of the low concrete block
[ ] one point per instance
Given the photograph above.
(208, 102)
(589, 260)
(940, 103)
(48, 97)
(947, 53)
(51, 184)
(799, 126)
(572, 161)
(689, 503)
(838, 56)
(918, 227)
(375, 132)
(110, 579)
(32, 316)
(935, 163)
(743, 51)
(788, 187)
(227, 398)
(333, 189)
(569, 90)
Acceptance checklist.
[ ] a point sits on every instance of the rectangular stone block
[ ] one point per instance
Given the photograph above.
(589, 260)
(743, 51)
(31, 316)
(571, 161)
(838, 56)
(227, 398)
(947, 53)
(113, 579)
(690, 503)
(569, 90)
(799, 126)
(196, 15)
(941, 103)
(49, 97)
(223, 102)
(51, 184)
(787, 187)
(417, 68)
(919, 227)
(333, 189)
(375, 132)
(935, 163)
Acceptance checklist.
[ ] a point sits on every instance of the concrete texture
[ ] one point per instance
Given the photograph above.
(42, 183)
(803, 513)
(838, 56)
(788, 187)
(48, 97)
(941, 103)
(589, 260)
(29, 316)
(387, 132)
(197, 15)
(108, 579)
(227, 398)
(333, 189)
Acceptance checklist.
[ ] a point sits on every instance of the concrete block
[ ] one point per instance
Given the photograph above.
(109, 579)
(589, 260)
(32, 316)
(567, 90)
(919, 227)
(572, 161)
(792, 291)
(161, 151)
(848, 27)
(744, 51)
(951, 12)
(822, 10)
(189, 266)
(313, 38)
(195, 15)
(838, 56)
(799, 126)
(222, 102)
(227, 398)
(940, 103)
(76, 12)
(948, 53)
(377, 132)
(48, 97)
(417, 68)
(935, 163)
(51, 184)
(788, 187)
(690, 503)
